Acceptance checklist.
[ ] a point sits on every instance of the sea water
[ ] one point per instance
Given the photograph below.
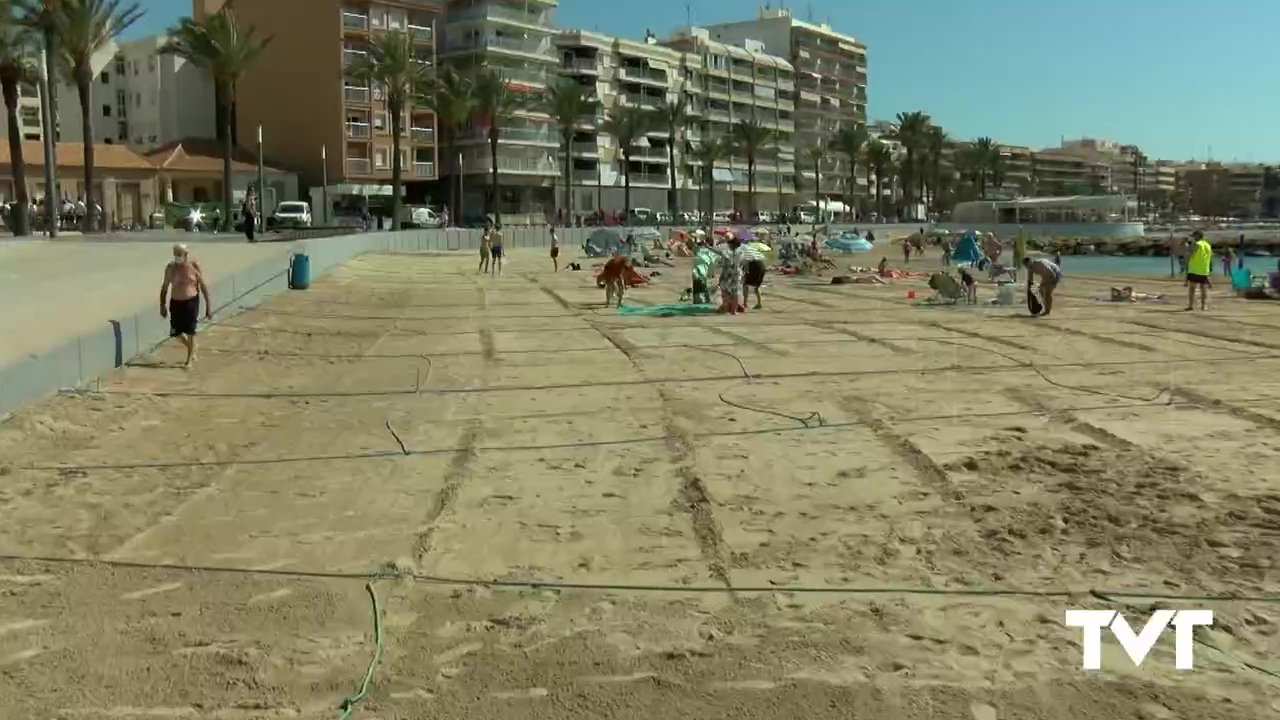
(1154, 266)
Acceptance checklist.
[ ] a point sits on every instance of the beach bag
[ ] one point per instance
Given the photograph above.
(1033, 302)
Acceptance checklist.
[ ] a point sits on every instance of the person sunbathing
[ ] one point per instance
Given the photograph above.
(1126, 294)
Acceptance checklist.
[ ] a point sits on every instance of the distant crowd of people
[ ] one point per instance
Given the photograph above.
(69, 214)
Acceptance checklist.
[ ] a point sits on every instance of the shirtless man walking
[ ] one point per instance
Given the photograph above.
(180, 299)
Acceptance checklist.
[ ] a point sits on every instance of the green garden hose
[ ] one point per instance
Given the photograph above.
(348, 705)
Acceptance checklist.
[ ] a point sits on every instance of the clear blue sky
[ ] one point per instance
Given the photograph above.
(1177, 77)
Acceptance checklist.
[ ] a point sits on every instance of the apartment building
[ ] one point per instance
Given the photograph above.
(1217, 189)
(28, 113)
(515, 37)
(730, 84)
(142, 97)
(628, 73)
(316, 118)
(830, 70)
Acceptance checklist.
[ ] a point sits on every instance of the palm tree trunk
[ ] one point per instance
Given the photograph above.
(817, 194)
(880, 195)
(751, 190)
(853, 182)
(228, 148)
(568, 176)
(626, 186)
(493, 172)
(84, 84)
(673, 200)
(22, 201)
(871, 202)
(397, 171)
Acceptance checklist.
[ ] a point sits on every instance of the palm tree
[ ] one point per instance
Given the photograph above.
(709, 152)
(935, 148)
(880, 158)
(567, 102)
(849, 142)
(451, 96)
(627, 124)
(910, 130)
(84, 28)
(815, 154)
(674, 116)
(15, 69)
(40, 17)
(224, 49)
(984, 151)
(392, 64)
(750, 141)
(496, 100)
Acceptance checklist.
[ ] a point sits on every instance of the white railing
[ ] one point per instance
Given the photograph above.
(509, 164)
(424, 169)
(642, 100)
(585, 148)
(420, 32)
(500, 13)
(649, 178)
(522, 76)
(532, 47)
(356, 94)
(351, 57)
(648, 74)
(528, 134)
(587, 64)
(424, 136)
(358, 166)
(357, 130)
(354, 21)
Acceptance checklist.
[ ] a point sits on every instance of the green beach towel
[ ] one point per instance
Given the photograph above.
(667, 310)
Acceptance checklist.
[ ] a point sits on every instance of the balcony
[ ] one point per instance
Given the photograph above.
(541, 135)
(351, 57)
(353, 20)
(530, 47)
(523, 77)
(501, 12)
(424, 169)
(637, 100)
(356, 95)
(423, 136)
(585, 177)
(649, 153)
(358, 166)
(645, 74)
(358, 130)
(587, 65)
(586, 148)
(639, 178)
(421, 33)
(540, 166)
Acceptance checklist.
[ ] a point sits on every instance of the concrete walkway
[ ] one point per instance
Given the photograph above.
(52, 291)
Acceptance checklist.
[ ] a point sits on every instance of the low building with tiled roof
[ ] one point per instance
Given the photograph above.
(125, 181)
(191, 171)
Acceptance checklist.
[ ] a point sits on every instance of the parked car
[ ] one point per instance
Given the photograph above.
(290, 214)
(419, 216)
(724, 216)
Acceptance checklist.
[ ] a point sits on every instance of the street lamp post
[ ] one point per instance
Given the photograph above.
(262, 188)
(324, 188)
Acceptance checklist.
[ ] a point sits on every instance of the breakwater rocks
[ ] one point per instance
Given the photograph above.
(1152, 245)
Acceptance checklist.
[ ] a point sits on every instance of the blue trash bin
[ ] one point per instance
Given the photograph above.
(299, 271)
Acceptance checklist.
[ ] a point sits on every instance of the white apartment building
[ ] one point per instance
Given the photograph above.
(142, 98)
(623, 73)
(515, 37)
(830, 78)
(28, 114)
(742, 83)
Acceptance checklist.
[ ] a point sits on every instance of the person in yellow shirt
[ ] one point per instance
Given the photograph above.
(1199, 266)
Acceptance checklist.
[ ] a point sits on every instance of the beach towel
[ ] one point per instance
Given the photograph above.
(668, 310)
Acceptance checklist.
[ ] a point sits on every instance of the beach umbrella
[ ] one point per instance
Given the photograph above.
(759, 247)
(722, 230)
(761, 231)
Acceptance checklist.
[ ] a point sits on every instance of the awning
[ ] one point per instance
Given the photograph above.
(722, 175)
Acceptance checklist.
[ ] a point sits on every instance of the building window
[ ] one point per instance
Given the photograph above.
(137, 99)
(380, 121)
(105, 77)
(151, 64)
(106, 111)
(120, 66)
(380, 158)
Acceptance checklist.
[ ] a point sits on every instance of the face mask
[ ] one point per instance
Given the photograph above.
(179, 259)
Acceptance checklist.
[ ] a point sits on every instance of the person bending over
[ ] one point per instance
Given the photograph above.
(1049, 275)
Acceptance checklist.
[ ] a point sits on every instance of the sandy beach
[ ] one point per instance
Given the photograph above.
(842, 505)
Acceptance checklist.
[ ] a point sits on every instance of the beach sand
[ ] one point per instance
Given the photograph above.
(970, 472)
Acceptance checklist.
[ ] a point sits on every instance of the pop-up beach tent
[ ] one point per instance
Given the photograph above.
(604, 242)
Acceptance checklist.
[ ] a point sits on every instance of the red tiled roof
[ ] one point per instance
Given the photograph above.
(71, 154)
(199, 155)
